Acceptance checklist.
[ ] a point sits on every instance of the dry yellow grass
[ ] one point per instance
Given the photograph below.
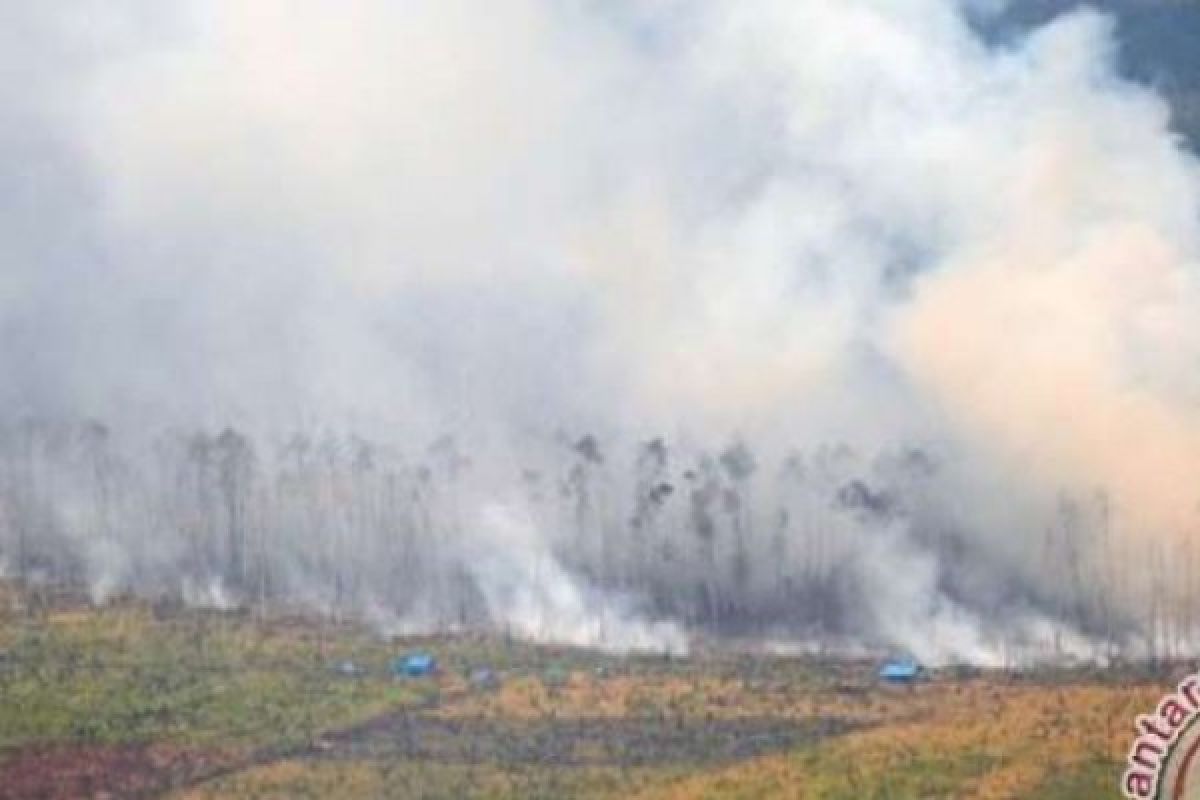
(293, 779)
(290, 780)
(976, 740)
(979, 741)
(586, 695)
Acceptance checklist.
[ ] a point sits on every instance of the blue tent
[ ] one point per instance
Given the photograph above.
(415, 665)
(900, 671)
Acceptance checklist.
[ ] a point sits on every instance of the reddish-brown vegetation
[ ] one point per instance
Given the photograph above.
(76, 772)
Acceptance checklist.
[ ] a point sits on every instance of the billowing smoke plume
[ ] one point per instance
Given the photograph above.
(839, 321)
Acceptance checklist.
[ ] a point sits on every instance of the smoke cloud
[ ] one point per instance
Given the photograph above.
(607, 323)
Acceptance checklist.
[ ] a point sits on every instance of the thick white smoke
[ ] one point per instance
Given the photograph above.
(784, 223)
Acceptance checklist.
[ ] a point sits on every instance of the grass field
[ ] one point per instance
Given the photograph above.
(127, 702)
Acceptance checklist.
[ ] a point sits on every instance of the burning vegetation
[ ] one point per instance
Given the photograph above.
(619, 546)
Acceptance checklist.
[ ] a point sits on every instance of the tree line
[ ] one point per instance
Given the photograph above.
(727, 540)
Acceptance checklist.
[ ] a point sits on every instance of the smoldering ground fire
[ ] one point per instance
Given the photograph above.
(604, 323)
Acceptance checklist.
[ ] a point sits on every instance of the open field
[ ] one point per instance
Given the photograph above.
(129, 702)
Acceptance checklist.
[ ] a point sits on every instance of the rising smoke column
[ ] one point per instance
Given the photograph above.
(785, 224)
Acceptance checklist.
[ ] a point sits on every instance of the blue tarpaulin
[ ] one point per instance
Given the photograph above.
(415, 665)
(900, 671)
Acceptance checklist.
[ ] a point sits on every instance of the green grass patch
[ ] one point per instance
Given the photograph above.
(121, 676)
